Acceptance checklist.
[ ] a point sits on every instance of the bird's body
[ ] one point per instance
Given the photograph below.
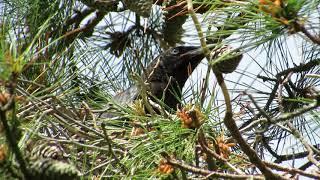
(166, 75)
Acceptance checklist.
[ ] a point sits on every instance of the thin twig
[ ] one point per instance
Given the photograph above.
(109, 142)
(301, 68)
(285, 116)
(263, 112)
(74, 142)
(309, 148)
(204, 172)
(292, 170)
(300, 27)
(87, 108)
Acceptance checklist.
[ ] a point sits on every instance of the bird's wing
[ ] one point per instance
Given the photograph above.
(125, 97)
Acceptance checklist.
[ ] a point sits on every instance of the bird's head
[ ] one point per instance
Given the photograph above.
(180, 61)
(177, 62)
(181, 57)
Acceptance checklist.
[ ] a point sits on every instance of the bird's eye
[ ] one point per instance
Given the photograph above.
(174, 51)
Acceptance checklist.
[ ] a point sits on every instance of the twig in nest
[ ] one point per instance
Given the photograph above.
(109, 142)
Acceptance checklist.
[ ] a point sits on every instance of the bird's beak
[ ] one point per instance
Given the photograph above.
(197, 50)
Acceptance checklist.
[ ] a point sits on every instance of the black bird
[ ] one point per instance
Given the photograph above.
(166, 75)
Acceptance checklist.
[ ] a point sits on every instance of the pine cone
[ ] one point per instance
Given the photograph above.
(46, 149)
(226, 64)
(119, 41)
(172, 27)
(51, 169)
(141, 7)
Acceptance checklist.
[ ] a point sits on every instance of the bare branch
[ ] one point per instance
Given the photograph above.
(206, 173)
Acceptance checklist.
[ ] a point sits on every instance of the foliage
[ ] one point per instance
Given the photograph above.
(61, 63)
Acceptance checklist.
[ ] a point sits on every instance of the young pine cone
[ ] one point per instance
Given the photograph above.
(225, 60)
(141, 7)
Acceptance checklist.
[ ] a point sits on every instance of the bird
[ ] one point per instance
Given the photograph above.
(166, 75)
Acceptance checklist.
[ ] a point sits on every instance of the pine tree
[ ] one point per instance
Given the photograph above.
(62, 62)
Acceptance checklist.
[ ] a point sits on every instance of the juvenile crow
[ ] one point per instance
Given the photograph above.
(166, 75)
